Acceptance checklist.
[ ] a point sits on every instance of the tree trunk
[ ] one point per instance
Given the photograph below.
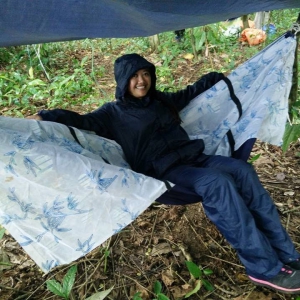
(154, 42)
(294, 89)
(245, 21)
(193, 43)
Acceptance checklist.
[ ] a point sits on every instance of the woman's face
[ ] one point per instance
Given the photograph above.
(140, 83)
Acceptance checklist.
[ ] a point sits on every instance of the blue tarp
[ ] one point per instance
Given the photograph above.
(38, 21)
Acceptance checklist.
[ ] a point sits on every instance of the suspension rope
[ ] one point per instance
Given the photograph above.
(295, 28)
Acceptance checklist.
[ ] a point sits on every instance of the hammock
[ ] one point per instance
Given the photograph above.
(60, 199)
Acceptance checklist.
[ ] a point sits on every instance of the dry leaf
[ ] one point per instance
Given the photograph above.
(188, 56)
(162, 248)
(5, 260)
(241, 277)
(30, 72)
(187, 287)
(280, 176)
(263, 160)
(171, 214)
(138, 289)
(289, 193)
(178, 292)
(167, 277)
(252, 295)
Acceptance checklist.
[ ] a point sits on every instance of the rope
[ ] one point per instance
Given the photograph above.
(295, 28)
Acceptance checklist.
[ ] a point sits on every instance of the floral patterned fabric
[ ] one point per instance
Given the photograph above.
(60, 199)
(262, 84)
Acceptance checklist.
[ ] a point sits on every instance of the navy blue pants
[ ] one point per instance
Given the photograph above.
(237, 203)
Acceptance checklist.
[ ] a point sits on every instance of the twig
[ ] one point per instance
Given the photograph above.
(250, 292)
(277, 187)
(195, 232)
(222, 248)
(225, 291)
(272, 182)
(39, 58)
(175, 244)
(229, 277)
(217, 258)
(275, 158)
(88, 278)
(137, 283)
(291, 210)
(12, 289)
(124, 288)
(287, 222)
(221, 297)
(21, 297)
(233, 287)
(153, 227)
(185, 253)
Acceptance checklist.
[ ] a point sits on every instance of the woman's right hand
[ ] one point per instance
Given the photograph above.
(35, 117)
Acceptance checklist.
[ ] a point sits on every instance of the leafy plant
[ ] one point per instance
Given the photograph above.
(2, 231)
(105, 257)
(137, 296)
(4, 261)
(198, 275)
(101, 295)
(254, 158)
(63, 290)
(292, 133)
(158, 292)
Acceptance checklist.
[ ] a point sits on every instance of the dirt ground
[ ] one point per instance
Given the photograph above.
(157, 244)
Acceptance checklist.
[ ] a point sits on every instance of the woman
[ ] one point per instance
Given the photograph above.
(146, 123)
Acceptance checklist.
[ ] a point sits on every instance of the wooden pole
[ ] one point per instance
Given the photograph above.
(294, 89)
(154, 42)
(245, 21)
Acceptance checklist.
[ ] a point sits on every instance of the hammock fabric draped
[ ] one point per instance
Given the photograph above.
(60, 200)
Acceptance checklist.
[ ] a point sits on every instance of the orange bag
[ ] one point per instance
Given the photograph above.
(253, 36)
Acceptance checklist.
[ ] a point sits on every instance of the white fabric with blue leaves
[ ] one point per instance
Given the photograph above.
(60, 200)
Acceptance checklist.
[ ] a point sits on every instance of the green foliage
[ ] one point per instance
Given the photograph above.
(199, 274)
(63, 290)
(254, 158)
(4, 261)
(291, 134)
(158, 292)
(101, 295)
(295, 107)
(106, 254)
(2, 231)
(137, 296)
(45, 75)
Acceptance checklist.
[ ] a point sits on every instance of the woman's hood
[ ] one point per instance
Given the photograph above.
(125, 67)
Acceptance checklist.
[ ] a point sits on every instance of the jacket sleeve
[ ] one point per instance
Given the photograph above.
(96, 121)
(182, 98)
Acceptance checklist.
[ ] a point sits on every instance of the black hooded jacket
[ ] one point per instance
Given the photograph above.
(147, 130)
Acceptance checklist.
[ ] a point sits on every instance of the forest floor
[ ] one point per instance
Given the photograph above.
(156, 245)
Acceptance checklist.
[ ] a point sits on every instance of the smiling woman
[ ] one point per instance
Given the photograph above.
(140, 83)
